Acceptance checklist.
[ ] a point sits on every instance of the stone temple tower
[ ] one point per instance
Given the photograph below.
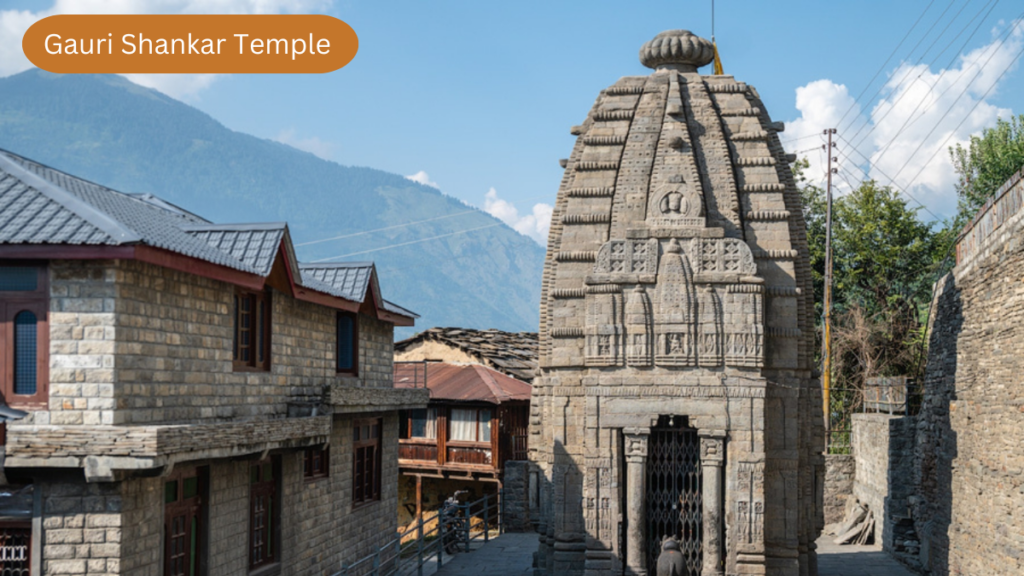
(677, 396)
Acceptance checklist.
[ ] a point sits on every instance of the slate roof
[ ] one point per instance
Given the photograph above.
(513, 353)
(43, 206)
(462, 382)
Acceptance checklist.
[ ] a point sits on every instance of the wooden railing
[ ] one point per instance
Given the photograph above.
(469, 455)
(410, 451)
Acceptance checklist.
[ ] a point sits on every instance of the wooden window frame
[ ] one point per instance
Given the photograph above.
(257, 490)
(451, 441)
(38, 303)
(194, 508)
(366, 490)
(354, 369)
(260, 328)
(313, 456)
(407, 419)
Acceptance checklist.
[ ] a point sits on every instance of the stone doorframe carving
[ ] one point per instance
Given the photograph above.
(712, 459)
(635, 504)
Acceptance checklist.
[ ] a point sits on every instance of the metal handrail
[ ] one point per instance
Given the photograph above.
(390, 558)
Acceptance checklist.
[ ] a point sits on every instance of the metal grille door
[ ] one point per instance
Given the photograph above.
(15, 544)
(674, 493)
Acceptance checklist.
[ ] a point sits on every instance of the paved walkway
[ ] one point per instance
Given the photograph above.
(834, 560)
(512, 555)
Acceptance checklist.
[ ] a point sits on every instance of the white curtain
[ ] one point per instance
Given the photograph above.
(431, 428)
(463, 424)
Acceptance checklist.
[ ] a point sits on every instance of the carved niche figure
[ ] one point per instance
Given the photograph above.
(675, 204)
(675, 320)
(638, 328)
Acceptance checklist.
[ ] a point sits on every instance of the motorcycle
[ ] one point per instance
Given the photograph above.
(451, 522)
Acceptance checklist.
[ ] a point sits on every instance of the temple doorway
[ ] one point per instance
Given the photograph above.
(674, 506)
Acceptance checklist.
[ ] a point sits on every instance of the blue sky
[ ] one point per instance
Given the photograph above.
(480, 95)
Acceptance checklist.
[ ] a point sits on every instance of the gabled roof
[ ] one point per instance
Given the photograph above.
(41, 206)
(462, 383)
(252, 244)
(513, 353)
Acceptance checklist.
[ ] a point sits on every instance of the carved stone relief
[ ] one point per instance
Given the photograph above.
(688, 318)
(676, 204)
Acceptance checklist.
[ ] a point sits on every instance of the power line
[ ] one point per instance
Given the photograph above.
(409, 243)
(886, 63)
(910, 118)
(951, 106)
(909, 69)
(902, 94)
(385, 228)
(891, 181)
(968, 115)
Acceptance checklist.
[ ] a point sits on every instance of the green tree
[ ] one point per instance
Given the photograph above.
(985, 164)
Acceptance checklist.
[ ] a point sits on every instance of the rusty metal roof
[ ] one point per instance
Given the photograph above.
(462, 382)
(512, 353)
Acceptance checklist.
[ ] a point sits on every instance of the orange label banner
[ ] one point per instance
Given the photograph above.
(187, 44)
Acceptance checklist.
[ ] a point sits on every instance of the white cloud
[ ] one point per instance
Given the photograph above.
(921, 114)
(423, 178)
(322, 148)
(535, 225)
(14, 23)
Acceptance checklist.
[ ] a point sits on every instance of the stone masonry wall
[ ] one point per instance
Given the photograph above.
(81, 526)
(871, 451)
(969, 511)
(82, 330)
(174, 350)
(840, 470)
(517, 504)
(135, 343)
(376, 352)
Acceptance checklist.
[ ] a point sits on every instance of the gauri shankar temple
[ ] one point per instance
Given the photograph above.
(677, 396)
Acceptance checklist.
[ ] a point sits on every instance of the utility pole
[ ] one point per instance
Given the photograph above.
(826, 337)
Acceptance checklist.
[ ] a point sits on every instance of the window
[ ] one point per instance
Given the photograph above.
(348, 343)
(183, 522)
(24, 335)
(252, 330)
(314, 463)
(421, 423)
(15, 547)
(366, 461)
(471, 424)
(264, 513)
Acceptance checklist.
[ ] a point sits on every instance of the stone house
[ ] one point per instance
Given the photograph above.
(184, 397)
(511, 353)
(473, 426)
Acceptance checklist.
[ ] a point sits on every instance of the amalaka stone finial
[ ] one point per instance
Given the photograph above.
(680, 50)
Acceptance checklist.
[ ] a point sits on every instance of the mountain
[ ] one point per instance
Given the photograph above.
(134, 139)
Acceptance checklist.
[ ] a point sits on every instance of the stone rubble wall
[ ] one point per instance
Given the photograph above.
(870, 440)
(969, 510)
(883, 447)
(840, 471)
(516, 505)
(966, 505)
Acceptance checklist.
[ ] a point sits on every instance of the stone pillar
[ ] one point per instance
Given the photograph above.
(636, 500)
(712, 455)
